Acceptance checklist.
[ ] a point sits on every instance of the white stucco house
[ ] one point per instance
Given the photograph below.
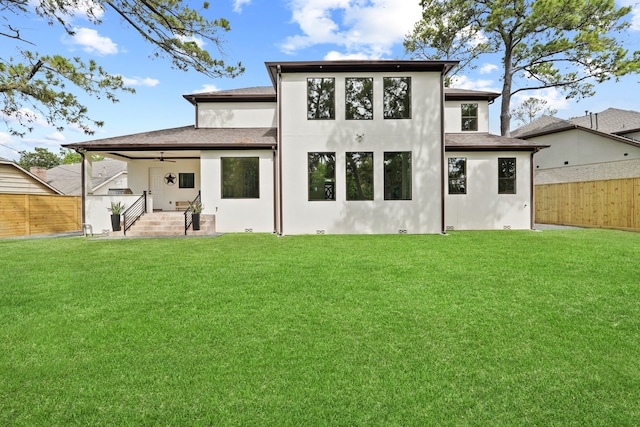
(335, 147)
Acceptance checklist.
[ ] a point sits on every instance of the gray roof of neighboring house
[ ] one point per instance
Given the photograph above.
(68, 178)
(610, 121)
(485, 141)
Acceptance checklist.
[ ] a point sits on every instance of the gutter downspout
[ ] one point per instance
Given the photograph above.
(443, 165)
(83, 192)
(275, 189)
(279, 133)
(532, 190)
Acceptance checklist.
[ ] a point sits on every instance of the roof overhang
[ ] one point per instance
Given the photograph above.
(367, 66)
(487, 142)
(229, 97)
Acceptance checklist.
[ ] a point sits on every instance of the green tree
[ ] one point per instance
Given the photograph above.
(39, 157)
(531, 109)
(564, 44)
(68, 157)
(33, 84)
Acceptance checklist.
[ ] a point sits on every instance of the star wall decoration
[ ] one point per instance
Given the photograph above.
(170, 178)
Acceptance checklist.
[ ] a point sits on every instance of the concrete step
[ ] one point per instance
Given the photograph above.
(168, 224)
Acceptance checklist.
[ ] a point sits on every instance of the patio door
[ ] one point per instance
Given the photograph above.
(156, 179)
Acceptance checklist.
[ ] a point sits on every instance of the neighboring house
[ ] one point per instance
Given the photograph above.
(15, 180)
(333, 147)
(108, 176)
(596, 146)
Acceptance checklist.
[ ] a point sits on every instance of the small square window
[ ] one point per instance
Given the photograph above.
(186, 180)
(240, 177)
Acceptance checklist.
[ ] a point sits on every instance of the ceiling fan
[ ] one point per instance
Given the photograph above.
(162, 159)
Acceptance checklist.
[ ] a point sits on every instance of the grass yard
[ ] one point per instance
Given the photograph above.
(474, 328)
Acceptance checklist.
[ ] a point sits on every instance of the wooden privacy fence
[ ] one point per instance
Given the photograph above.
(613, 203)
(29, 214)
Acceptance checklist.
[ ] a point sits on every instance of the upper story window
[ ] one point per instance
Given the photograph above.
(397, 175)
(506, 175)
(359, 171)
(321, 98)
(457, 175)
(322, 176)
(397, 97)
(359, 98)
(469, 117)
(240, 177)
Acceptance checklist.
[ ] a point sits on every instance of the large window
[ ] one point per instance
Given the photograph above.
(322, 176)
(397, 175)
(469, 117)
(240, 177)
(506, 175)
(186, 180)
(321, 98)
(457, 175)
(359, 98)
(359, 167)
(397, 97)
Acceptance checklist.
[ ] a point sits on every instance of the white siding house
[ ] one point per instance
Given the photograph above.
(336, 147)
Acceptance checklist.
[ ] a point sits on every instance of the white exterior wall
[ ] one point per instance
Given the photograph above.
(238, 215)
(580, 147)
(118, 181)
(236, 114)
(482, 208)
(453, 116)
(138, 178)
(421, 135)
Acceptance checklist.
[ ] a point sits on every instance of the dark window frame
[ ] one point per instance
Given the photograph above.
(468, 122)
(321, 104)
(352, 99)
(326, 191)
(183, 182)
(253, 189)
(507, 175)
(457, 183)
(389, 97)
(364, 184)
(394, 188)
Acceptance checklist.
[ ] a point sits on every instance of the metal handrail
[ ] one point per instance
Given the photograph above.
(188, 213)
(135, 211)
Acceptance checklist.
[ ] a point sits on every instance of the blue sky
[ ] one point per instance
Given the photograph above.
(261, 30)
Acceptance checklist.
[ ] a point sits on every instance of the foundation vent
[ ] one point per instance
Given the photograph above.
(319, 231)
(450, 228)
(402, 231)
(507, 227)
(248, 230)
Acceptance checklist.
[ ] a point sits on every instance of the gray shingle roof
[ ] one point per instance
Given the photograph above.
(187, 137)
(487, 141)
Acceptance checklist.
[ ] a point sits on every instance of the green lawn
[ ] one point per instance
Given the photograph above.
(475, 328)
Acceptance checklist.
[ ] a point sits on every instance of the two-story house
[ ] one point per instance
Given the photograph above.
(335, 147)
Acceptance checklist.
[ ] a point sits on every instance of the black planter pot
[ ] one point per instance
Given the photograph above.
(115, 222)
(195, 221)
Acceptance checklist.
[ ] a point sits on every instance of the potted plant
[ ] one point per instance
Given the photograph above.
(116, 210)
(196, 210)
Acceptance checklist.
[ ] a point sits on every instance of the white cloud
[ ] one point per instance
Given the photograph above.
(207, 88)
(555, 99)
(464, 82)
(237, 5)
(197, 40)
(488, 68)
(25, 116)
(92, 42)
(140, 81)
(364, 28)
(635, 12)
(337, 56)
(55, 137)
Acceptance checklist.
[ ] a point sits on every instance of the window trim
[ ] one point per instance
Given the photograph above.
(464, 176)
(507, 179)
(463, 117)
(193, 179)
(409, 94)
(222, 192)
(332, 116)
